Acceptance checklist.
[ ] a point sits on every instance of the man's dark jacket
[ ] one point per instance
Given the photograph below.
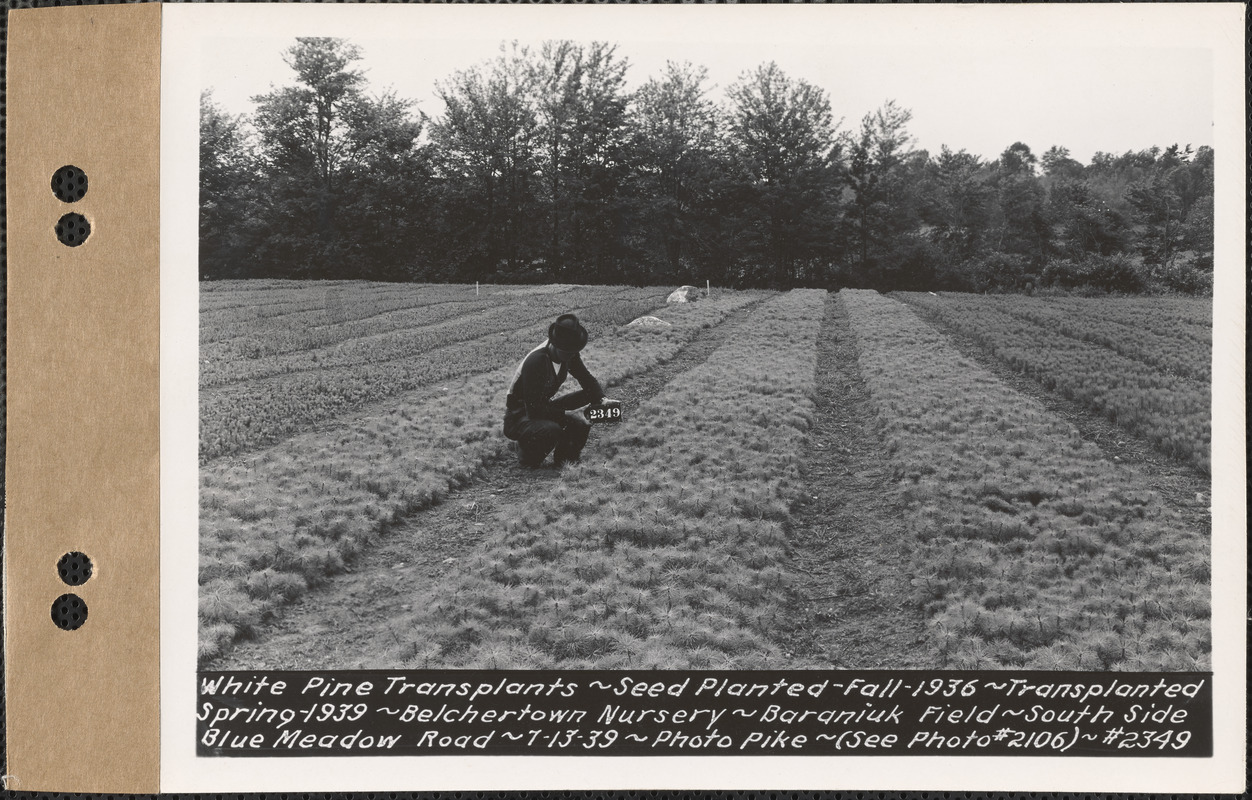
(534, 384)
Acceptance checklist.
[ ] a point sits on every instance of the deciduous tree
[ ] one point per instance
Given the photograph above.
(674, 151)
(782, 142)
(882, 177)
(581, 111)
(326, 150)
(485, 145)
(1021, 225)
(228, 192)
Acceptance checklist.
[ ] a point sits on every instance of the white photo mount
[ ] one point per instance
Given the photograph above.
(102, 392)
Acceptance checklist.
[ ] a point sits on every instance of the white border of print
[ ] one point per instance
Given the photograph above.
(1215, 27)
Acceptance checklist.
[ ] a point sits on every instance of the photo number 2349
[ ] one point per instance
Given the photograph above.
(605, 411)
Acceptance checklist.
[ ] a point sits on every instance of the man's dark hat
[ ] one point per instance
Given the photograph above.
(567, 334)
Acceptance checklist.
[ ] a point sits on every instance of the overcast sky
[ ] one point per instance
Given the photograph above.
(980, 99)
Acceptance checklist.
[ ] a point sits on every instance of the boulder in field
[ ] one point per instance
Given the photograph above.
(684, 294)
(648, 322)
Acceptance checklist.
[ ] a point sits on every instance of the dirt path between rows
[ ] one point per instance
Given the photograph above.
(849, 604)
(346, 623)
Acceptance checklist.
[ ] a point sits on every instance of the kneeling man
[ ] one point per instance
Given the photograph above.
(539, 424)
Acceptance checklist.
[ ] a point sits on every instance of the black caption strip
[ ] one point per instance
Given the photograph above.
(463, 712)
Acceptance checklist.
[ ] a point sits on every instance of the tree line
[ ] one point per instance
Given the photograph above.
(543, 167)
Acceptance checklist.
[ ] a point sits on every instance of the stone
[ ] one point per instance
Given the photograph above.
(684, 294)
(648, 322)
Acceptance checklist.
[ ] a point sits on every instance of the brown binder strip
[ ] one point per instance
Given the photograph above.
(83, 399)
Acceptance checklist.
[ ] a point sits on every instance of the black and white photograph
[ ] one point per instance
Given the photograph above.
(713, 350)
(625, 397)
(665, 361)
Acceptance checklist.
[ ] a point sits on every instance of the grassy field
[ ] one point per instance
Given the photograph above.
(337, 416)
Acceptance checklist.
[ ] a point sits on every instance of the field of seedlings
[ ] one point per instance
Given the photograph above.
(308, 354)
(666, 552)
(275, 522)
(344, 420)
(1032, 549)
(1148, 371)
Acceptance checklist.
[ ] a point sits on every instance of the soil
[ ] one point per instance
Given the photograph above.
(849, 602)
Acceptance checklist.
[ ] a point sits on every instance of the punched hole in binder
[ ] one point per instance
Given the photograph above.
(73, 229)
(74, 568)
(69, 612)
(69, 184)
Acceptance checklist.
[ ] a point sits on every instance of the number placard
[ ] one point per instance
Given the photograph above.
(609, 411)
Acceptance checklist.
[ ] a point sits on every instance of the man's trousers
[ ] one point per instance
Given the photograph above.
(537, 438)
